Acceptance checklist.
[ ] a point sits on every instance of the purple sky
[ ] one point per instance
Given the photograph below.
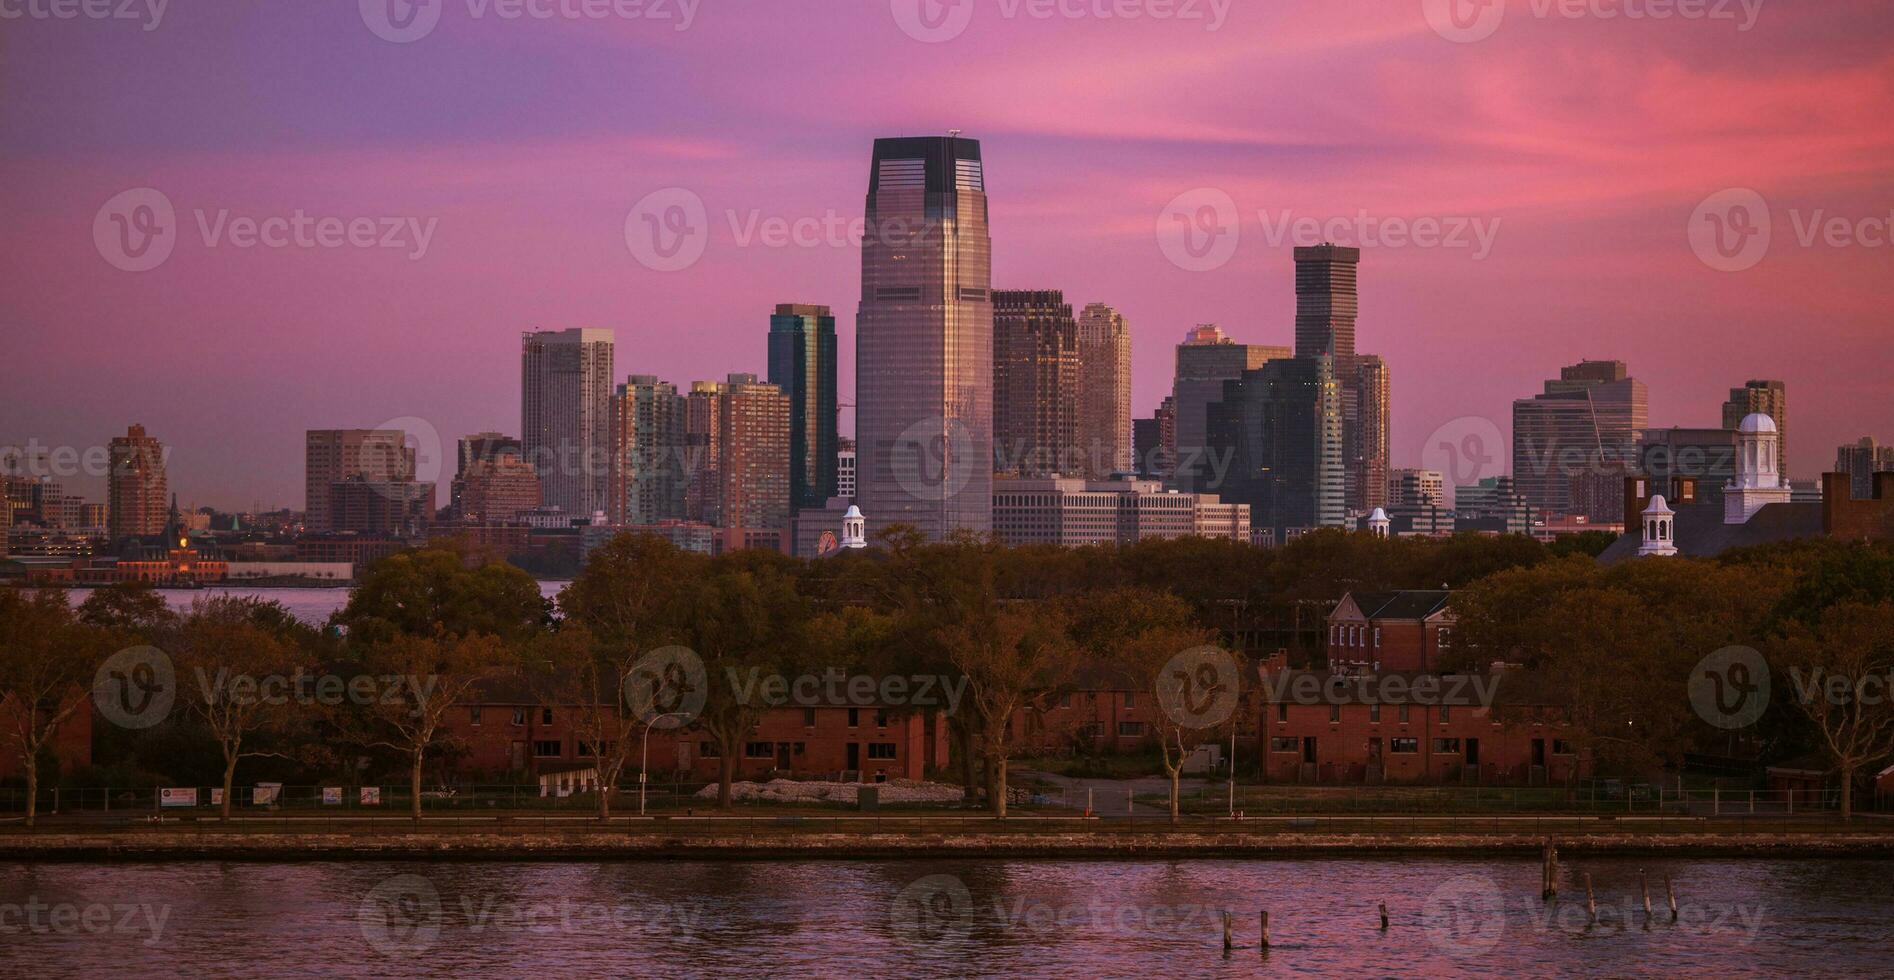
(1582, 144)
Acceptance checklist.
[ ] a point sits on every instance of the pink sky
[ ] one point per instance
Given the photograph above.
(1587, 142)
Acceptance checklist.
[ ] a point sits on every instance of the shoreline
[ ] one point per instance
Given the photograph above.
(590, 846)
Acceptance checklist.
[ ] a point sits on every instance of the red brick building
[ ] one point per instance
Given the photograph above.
(1391, 631)
(509, 731)
(1439, 732)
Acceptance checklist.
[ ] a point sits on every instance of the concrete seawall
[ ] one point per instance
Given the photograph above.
(169, 846)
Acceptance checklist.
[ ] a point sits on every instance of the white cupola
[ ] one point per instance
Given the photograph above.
(1758, 481)
(1378, 523)
(1660, 530)
(854, 528)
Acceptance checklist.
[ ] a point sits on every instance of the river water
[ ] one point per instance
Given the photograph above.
(309, 605)
(936, 918)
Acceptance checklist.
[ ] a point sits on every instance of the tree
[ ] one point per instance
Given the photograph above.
(745, 620)
(422, 592)
(572, 671)
(134, 611)
(235, 657)
(47, 660)
(434, 674)
(1839, 670)
(1013, 658)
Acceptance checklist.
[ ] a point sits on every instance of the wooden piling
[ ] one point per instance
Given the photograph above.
(1384, 917)
(1644, 888)
(1227, 943)
(1671, 893)
(1265, 944)
(1591, 904)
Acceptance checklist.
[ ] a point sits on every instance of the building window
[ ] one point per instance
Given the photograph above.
(1403, 713)
(585, 749)
(1377, 638)
(881, 719)
(707, 750)
(854, 717)
(474, 713)
(1131, 700)
(1091, 730)
(1446, 745)
(1446, 638)
(1561, 747)
(1446, 712)
(1285, 745)
(1334, 713)
(519, 716)
(547, 749)
(1374, 713)
(545, 716)
(759, 750)
(881, 750)
(1404, 746)
(802, 748)
(1131, 729)
(808, 717)
(1282, 712)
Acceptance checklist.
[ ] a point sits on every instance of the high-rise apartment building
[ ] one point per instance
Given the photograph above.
(703, 452)
(1861, 461)
(802, 364)
(1104, 391)
(753, 468)
(497, 488)
(332, 456)
(924, 348)
(845, 470)
(1035, 384)
(1584, 424)
(1769, 398)
(647, 437)
(137, 501)
(1205, 360)
(477, 447)
(566, 416)
(1280, 429)
(1417, 488)
(1366, 410)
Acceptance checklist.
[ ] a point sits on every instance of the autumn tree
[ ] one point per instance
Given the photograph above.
(47, 663)
(235, 659)
(1014, 658)
(423, 592)
(1839, 672)
(430, 676)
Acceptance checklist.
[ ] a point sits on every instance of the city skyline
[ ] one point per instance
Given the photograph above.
(1590, 260)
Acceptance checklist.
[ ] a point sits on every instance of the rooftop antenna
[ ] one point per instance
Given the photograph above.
(954, 133)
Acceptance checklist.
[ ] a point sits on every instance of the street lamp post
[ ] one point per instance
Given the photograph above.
(644, 754)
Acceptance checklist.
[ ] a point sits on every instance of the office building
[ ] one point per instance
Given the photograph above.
(1280, 429)
(566, 416)
(367, 505)
(474, 448)
(924, 358)
(496, 489)
(1860, 462)
(1585, 423)
(1035, 384)
(753, 455)
(1205, 360)
(1769, 398)
(1417, 488)
(802, 364)
(1104, 424)
(332, 456)
(845, 470)
(1072, 512)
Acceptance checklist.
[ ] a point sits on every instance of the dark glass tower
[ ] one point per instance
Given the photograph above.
(1326, 304)
(924, 340)
(802, 364)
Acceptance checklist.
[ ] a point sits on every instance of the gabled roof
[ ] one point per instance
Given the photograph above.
(1701, 533)
(1410, 604)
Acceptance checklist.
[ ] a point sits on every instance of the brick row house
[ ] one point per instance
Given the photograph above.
(506, 730)
(1392, 631)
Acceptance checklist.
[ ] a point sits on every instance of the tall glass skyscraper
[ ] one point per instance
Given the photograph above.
(924, 340)
(566, 416)
(802, 364)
